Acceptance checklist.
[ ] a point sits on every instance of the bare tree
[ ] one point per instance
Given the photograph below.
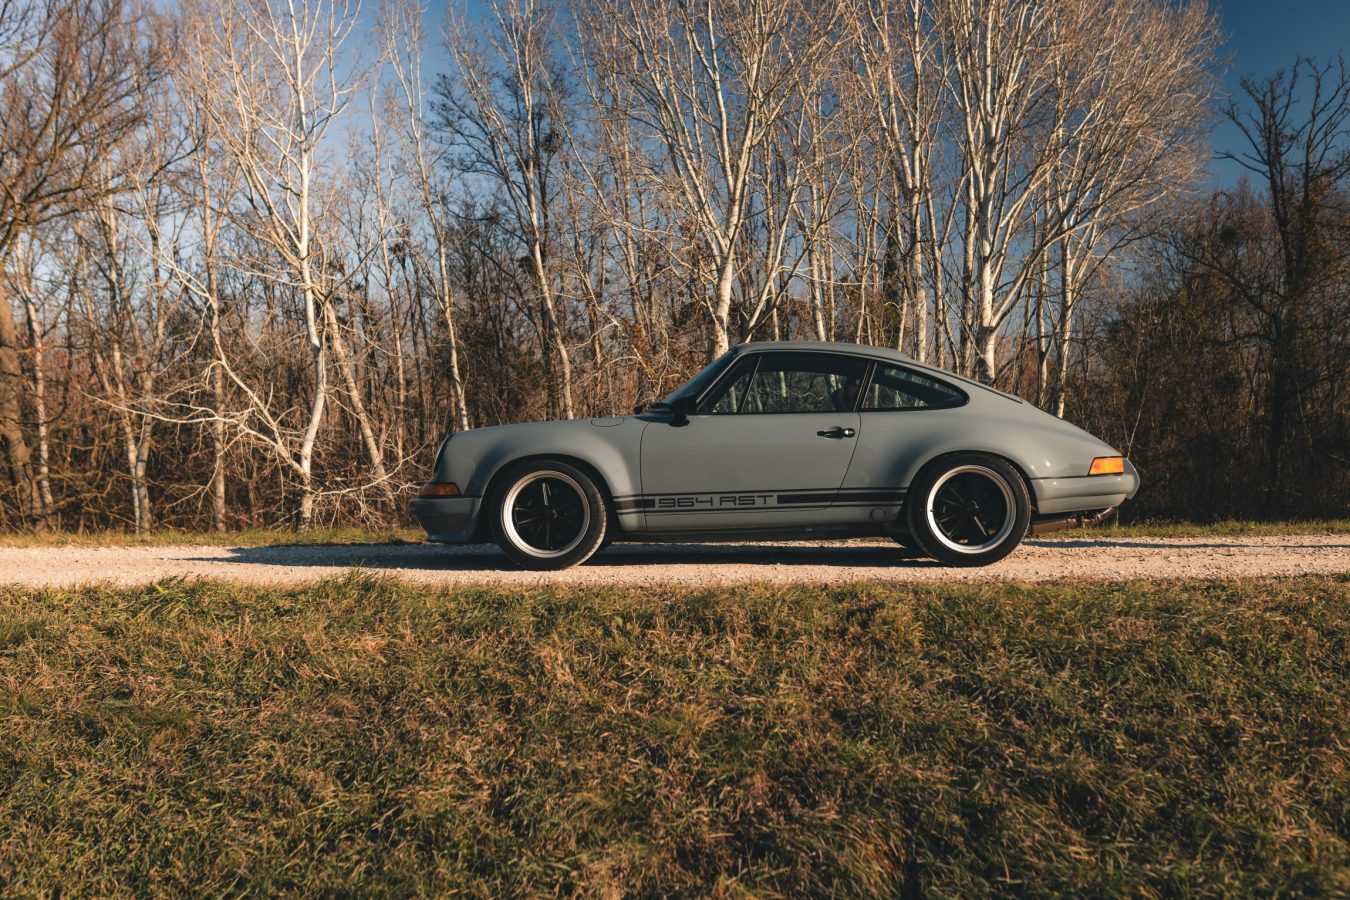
(271, 78)
(70, 75)
(208, 188)
(1281, 267)
(44, 504)
(903, 76)
(706, 83)
(405, 45)
(1132, 85)
(500, 111)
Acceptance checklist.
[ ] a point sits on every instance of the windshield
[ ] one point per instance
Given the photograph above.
(700, 382)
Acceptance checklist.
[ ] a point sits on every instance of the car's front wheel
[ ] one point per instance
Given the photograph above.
(548, 515)
(968, 509)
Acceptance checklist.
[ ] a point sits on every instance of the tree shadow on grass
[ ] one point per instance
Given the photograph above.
(1181, 544)
(486, 557)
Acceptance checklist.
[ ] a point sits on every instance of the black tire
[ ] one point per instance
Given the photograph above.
(908, 547)
(548, 515)
(968, 509)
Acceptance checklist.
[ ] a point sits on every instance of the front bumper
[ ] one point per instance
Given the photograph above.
(447, 520)
(1090, 492)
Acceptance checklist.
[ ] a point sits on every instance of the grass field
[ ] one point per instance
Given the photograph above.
(266, 537)
(362, 736)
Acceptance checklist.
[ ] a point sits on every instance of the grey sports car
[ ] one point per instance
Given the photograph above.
(781, 440)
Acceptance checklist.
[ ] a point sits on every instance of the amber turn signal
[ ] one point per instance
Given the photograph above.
(440, 489)
(1108, 465)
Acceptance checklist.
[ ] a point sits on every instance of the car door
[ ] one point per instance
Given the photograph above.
(768, 446)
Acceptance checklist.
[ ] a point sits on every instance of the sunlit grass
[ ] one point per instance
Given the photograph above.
(367, 737)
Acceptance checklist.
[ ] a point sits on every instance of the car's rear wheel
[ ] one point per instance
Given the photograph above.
(968, 509)
(548, 515)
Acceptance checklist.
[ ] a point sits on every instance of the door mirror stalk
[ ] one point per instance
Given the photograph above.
(681, 409)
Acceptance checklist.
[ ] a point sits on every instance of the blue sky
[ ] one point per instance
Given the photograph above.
(1265, 36)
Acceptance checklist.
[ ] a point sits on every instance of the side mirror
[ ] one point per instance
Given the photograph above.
(681, 410)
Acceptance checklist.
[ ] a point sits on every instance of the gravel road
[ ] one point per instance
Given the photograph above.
(1071, 558)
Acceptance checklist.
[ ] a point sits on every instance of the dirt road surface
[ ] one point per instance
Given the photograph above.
(1074, 558)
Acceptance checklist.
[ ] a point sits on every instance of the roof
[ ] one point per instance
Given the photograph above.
(833, 346)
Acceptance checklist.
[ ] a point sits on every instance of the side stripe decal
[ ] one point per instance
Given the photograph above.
(730, 501)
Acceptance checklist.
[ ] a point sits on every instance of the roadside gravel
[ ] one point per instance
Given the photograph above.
(694, 565)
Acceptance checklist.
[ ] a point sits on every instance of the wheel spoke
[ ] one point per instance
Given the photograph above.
(968, 534)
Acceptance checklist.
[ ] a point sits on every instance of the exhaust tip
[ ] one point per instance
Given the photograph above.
(1077, 520)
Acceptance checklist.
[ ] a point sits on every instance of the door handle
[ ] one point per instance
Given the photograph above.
(837, 432)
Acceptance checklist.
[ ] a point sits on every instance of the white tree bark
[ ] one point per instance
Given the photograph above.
(270, 76)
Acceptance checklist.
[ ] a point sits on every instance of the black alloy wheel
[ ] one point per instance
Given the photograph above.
(549, 515)
(968, 509)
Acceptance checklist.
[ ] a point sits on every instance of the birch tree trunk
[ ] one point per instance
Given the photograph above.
(44, 503)
(707, 82)
(17, 453)
(503, 111)
(269, 77)
(405, 41)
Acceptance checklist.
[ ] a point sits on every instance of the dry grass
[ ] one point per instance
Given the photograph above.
(364, 736)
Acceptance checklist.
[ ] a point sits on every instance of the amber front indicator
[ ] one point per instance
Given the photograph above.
(1108, 465)
(440, 489)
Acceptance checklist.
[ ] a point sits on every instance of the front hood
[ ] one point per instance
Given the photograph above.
(493, 431)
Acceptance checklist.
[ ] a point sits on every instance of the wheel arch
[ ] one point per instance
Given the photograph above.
(938, 458)
(494, 485)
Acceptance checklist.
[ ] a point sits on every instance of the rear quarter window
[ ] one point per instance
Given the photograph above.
(894, 388)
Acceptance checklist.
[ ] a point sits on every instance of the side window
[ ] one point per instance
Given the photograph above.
(894, 388)
(805, 383)
(727, 397)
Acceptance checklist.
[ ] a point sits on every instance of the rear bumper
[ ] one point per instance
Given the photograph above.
(1064, 495)
(447, 520)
